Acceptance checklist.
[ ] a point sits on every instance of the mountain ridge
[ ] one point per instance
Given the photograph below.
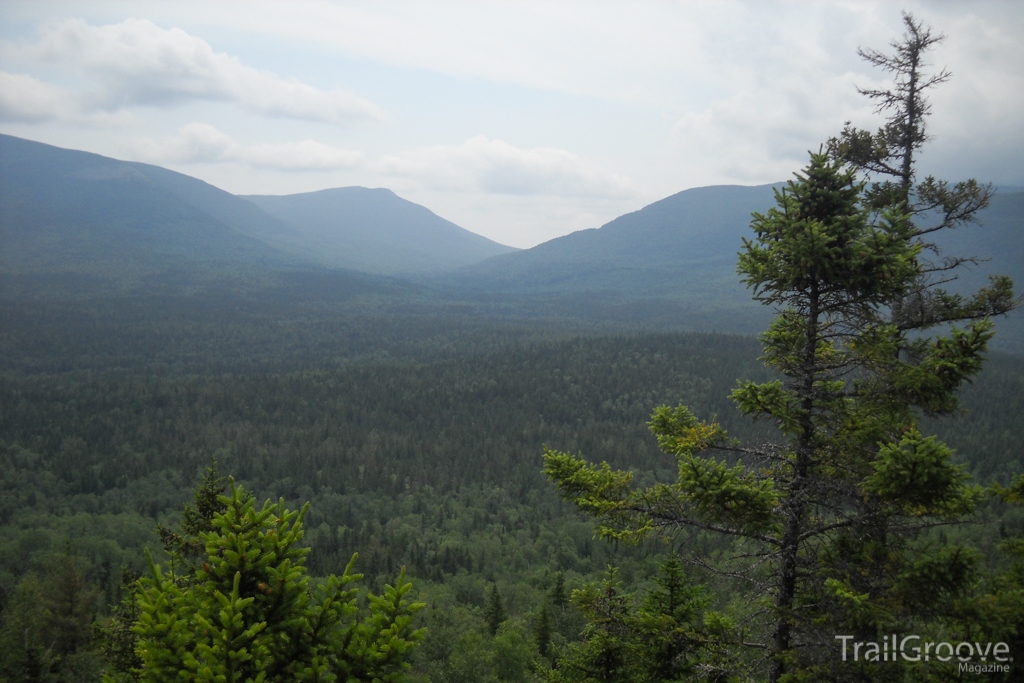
(390, 235)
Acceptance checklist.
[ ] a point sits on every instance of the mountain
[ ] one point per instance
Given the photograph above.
(673, 243)
(674, 263)
(997, 239)
(376, 231)
(90, 221)
(83, 222)
(77, 222)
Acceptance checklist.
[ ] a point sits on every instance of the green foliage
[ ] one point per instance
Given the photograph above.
(188, 544)
(826, 518)
(665, 636)
(46, 630)
(916, 475)
(248, 613)
(115, 636)
(542, 631)
(495, 612)
(998, 612)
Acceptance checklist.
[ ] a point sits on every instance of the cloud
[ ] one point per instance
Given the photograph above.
(497, 167)
(23, 98)
(28, 100)
(137, 63)
(203, 143)
(762, 131)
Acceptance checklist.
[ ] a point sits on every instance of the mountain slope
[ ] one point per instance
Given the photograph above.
(666, 247)
(674, 262)
(112, 223)
(376, 231)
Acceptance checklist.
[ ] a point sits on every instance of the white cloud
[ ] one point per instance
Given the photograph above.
(26, 99)
(764, 131)
(203, 143)
(23, 98)
(497, 167)
(137, 63)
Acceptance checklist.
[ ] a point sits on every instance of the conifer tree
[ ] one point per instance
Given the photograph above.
(667, 636)
(824, 517)
(248, 614)
(116, 639)
(558, 597)
(888, 159)
(187, 545)
(542, 631)
(997, 615)
(495, 612)
(604, 655)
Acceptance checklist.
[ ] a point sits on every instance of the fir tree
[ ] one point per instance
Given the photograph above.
(825, 517)
(557, 595)
(187, 545)
(248, 613)
(604, 654)
(115, 637)
(667, 636)
(888, 158)
(495, 613)
(997, 615)
(542, 631)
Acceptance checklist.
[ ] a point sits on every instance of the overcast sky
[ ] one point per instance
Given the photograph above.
(520, 121)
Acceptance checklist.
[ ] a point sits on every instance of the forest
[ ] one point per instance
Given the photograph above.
(425, 455)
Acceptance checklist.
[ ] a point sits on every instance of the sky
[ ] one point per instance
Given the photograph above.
(520, 121)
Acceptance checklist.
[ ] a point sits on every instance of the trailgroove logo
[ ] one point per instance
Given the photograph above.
(973, 657)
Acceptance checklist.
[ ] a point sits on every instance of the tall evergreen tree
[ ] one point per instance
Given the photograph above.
(665, 636)
(605, 653)
(495, 612)
(888, 158)
(825, 517)
(557, 594)
(997, 615)
(542, 631)
(187, 545)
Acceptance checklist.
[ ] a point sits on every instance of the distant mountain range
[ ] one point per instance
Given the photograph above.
(676, 260)
(72, 212)
(84, 222)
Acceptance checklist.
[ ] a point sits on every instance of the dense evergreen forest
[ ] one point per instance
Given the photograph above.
(417, 441)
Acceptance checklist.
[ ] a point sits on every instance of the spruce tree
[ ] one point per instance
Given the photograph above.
(542, 631)
(668, 635)
(187, 545)
(825, 517)
(997, 614)
(605, 653)
(557, 594)
(494, 613)
(887, 158)
(247, 612)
